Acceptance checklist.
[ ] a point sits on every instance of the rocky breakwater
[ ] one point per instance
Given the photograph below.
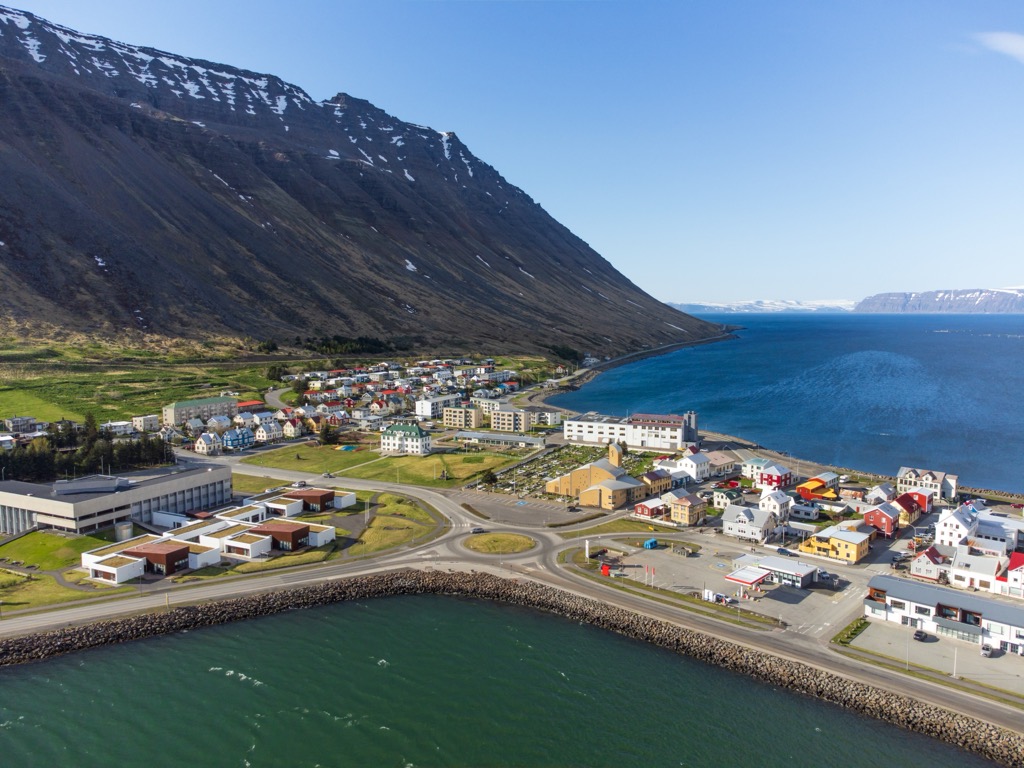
(1002, 746)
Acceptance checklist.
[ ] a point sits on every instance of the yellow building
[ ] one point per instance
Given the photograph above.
(463, 418)
(686, 508)
(838, 543)
(602, 483)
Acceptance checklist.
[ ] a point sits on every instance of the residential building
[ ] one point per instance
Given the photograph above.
(20, 425)
(245, 419)
(685, 508)
(932, 563)
(149, 423)
(970, 569)
(838, 542)
(773, 475)
(658, 481)
(667, 432)
(293, 428)
(208, 444)
(203, 408)
(269, 432)
(884, 518)
(880, 493)
(943, 484)
(463, 418)
(776, 502)
(118, 428)
(721, 464)
(408, 439)
(238, 439)
(433, 407)
(946, 612)
(505, 418)
(1011, 582)
(90, 503)
(748, 523)
(219, 424)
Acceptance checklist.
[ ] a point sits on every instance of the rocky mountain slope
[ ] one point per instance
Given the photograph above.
(143, 191)
(965, 301)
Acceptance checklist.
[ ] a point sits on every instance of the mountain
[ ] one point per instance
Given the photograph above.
(145, 192)
(963, 301)
(768, 305)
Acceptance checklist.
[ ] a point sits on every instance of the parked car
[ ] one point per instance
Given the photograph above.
(328, 474)
(783, 551)
(920, 635)
(986, 650)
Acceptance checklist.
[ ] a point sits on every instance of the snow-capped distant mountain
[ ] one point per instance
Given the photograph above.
(768, 305)
(962, 301)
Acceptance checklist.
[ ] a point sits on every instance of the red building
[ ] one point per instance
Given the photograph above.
(164, 558)
(884, 519)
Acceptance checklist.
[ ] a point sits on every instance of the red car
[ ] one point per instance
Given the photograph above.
(1017, 506)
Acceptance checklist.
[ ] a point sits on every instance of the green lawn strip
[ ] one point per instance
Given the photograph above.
(202, 574)
(79, 576)
(42, 590)
(577, 521)
(500, 543)
(316, 459)
(617, 526)
(315, 555)
(386, 532)
(391, 504)
(254, 484)
(52, 551)
(426, 470)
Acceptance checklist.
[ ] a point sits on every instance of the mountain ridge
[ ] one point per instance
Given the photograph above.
(955, 301)
(153, 193)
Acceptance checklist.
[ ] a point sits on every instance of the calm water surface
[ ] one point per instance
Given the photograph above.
(871, 392)
(422, 681)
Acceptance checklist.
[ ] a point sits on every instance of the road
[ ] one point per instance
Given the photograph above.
(539, 564)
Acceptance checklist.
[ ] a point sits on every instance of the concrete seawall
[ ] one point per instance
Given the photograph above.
(1004, 747)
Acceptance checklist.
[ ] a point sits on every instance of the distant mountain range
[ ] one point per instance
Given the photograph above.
(150, 193)
(963, 301)
(767, 305)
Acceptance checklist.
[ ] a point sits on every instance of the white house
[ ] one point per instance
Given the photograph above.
(208, 444)
(405, 438)
(269, 432)
(748, 523)
(943, 484)
(118, 427)
(776, 502)
(149, 423)
(969, 570)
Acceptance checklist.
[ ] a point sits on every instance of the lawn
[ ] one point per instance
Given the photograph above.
(426, 470)
(254, 484)
(499, 543)
(391, 504)
(311, 458)
(617, 526)
(41, 590)
(52, 551)
(315, 555)
(386, 532)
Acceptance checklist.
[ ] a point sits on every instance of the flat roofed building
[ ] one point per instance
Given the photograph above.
(463, 418)
(202, 408)
(663, 432)
(88, 504)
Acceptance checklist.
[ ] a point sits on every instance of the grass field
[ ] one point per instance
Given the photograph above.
(42, 590)
(391, 504)
(426, 470)
(309, 458)
(52, 551)
(499, 543)
(618, 526)
(254, 484)
(315, 555)
(385, 532)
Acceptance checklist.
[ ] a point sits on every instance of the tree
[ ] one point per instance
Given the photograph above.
(299, 385)
(328, 435)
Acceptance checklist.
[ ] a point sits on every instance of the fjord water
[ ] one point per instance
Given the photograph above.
(869, 392)
(422, 681)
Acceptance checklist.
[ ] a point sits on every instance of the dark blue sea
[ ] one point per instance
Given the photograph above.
(869, 392)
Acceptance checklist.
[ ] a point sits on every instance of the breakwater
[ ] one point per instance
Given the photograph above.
(994, 743)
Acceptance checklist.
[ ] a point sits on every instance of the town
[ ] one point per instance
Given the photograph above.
(919, 552)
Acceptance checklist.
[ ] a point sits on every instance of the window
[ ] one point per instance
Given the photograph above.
(922, 610)
(898, 605)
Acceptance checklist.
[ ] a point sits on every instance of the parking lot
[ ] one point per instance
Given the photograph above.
(1000, 670)
(817, 612)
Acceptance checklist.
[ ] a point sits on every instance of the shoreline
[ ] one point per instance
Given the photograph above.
(992, 742)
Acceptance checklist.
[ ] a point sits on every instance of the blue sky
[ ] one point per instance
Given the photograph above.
(711, 151)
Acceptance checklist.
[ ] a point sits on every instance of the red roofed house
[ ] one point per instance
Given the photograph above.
(1012, 581)
(910, 510)
(654, 509)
